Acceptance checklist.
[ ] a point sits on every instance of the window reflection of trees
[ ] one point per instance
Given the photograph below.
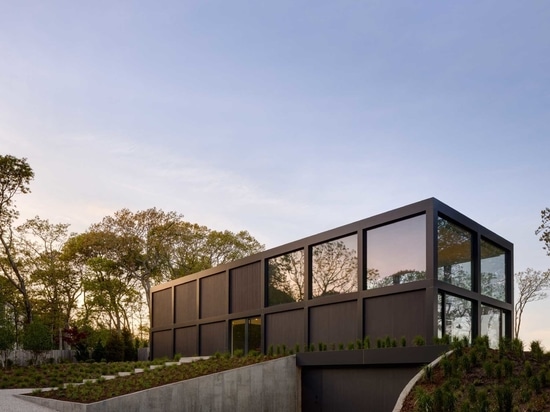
(493, 271)
(334, 267)
(375, 280)
(286, 278)
(396, 253)
(457, 314)
(454, 254)
(492, 324)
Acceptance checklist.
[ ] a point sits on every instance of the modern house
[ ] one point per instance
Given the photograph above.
(421, 270)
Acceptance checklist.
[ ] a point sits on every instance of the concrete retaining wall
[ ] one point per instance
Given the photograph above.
(270, 386)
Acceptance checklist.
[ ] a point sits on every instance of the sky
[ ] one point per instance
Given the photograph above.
(283, 118)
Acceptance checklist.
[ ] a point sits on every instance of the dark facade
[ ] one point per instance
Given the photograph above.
(420, 270)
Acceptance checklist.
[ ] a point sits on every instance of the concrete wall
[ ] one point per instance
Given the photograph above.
(270, 386)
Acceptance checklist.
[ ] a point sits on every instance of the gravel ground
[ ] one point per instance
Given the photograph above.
(9, 403)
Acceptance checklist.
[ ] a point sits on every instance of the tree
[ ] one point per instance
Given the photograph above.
(15, 177)
(55, 286)
(532, 286)
(543, 230)
(37, 339)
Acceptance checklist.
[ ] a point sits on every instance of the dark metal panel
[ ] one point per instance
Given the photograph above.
(213, 295)
(162, 308)
(186, 341)
(213, 338)
(396, 316)
(246, 290)
(162, 344)
(333, 324)
(285, 328)
(353, 389)
(186, 302)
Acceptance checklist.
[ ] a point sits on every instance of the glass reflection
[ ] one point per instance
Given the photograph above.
(238, 335)
(285, 278)
(454, 254)
(492, 321)
(246, 335)
(396, 253)
(457, 316)
(493, 271)
(334, 267)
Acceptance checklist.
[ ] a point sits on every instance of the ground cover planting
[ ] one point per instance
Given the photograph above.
(478, 379)
(107, 388)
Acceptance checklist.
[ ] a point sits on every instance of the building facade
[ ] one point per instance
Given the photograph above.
(421, 270)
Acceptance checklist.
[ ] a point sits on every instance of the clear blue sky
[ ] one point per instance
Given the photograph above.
(284, 118)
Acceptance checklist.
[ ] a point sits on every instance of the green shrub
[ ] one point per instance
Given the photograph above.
(37, 339)
(114, 348)
(505, 397)
(536, 350)
(419, 341)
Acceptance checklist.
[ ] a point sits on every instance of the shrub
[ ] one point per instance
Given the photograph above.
(37, 339)
(505, 398)
(99, 351)
(114, 348)
(536, 350)
(419, 341)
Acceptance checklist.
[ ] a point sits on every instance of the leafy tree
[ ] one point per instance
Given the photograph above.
(532, 286)
(7, 339)
(56, 286)
(15, 178)
(110, 293)
(543, 230)
(37, 339)
(77, 339)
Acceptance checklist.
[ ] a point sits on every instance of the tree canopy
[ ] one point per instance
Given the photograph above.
(101, 278)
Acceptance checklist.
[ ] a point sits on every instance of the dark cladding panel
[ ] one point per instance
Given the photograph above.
(333, 324)
(186, 302)
(285, 328)
(213, 338)
(246, 290)
(213, 295)
(162, 344)
(162, 308)
(186, 341)
(396, 316)
(353, 389)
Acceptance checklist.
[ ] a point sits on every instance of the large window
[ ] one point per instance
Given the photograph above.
(396, 253)
(454, 316)
(454, 254)
(246, 335)
(334, 267)
(285, 278)
(493, 271)
(493, 324)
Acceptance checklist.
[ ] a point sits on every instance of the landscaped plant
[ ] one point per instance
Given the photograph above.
(478, 378)
(102, 389)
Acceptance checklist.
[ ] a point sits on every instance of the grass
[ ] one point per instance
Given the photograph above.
(476, 378)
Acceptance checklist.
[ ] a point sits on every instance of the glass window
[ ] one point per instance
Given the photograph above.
(396, 253)
(285, 278)
(454, 254)
(454, 317)
(492, 324)
(238, 335)
(334, 267)
(493, 271)
(246, 335)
